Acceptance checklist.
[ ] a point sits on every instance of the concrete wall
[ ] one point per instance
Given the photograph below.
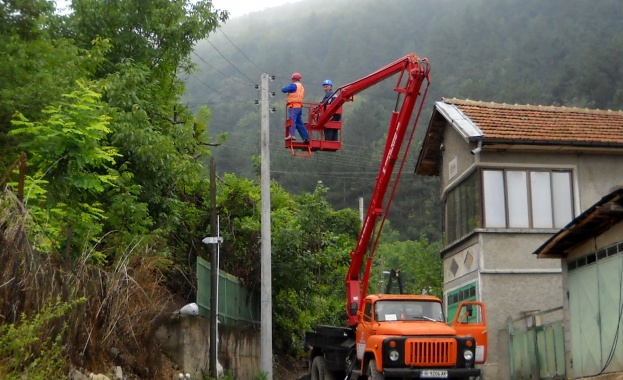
(597, 176)
(456, 150)
(509, 296)
(512, 251)
(186, 341)
(511, 282)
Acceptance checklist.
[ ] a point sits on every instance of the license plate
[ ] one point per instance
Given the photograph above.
(433, 374)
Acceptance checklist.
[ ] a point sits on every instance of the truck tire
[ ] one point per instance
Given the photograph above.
(319, 370)
(373, 373)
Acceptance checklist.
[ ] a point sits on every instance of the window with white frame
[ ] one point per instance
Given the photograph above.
(527, 198)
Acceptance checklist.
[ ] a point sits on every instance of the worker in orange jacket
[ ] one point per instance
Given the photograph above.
(296, 94)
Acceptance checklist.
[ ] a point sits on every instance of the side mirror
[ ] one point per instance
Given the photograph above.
(353, 308)
(470, 310)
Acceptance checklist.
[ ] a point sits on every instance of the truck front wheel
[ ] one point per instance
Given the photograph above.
(373, 373)
(319, 370)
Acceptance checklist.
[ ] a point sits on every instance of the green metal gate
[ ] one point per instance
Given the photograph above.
(236, 305)
(537, 346)
(596, 307)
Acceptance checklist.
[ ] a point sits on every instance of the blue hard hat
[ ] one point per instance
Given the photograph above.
(327, 82)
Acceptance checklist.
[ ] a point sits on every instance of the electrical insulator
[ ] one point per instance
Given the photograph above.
(273, 110)
(257, 86)
(257, 101)
(272, 77)
(273, 93)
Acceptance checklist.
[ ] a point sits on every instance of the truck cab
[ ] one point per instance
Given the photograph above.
(406, 336)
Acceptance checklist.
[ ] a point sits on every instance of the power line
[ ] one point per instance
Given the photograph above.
(234, 66)
(207, 63)
(217, 103)
(354, 159)
(253, 63)
(217, 70)
(212, 88)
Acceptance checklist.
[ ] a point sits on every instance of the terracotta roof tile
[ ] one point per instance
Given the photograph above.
(543, 124)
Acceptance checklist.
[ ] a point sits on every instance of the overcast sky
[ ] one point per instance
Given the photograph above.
(238, 8)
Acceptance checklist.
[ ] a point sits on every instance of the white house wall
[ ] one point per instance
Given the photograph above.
(597, 176)
(455, 150)
(512, 252)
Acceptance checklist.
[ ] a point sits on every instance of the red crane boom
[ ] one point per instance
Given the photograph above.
(413, 71)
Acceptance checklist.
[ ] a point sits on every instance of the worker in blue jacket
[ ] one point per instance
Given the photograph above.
(330, 134)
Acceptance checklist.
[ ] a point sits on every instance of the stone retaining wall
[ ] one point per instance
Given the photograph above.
(186, 341)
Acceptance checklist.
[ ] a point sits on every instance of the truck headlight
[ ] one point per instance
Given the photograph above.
(468, 355)
(393, 355)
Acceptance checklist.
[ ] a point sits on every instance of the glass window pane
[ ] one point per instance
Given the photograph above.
(563, 203)
(541, 193)
(462, 207)
(493, 192)
(473, 201)
(516, 183)
(450, 218)
(462, 210)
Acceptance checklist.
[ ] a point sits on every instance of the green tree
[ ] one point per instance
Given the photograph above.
(159, 139)
(419, 264)
(36, 68)
(69, 152)
(310, 245)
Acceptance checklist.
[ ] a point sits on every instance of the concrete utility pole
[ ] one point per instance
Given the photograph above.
(266, 335)
(213, 242)
(213, 273)
(361, 209)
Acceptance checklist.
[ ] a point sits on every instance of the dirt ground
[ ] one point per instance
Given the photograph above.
(289, 369)
(285, 368)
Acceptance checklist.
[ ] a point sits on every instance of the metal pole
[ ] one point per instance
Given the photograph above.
(218, 278)
(361, 209)
(266, 345)
(213, 272)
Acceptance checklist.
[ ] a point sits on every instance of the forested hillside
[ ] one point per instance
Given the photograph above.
(559, 52)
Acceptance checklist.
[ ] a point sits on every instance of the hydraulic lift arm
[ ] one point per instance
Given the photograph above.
(413, 71)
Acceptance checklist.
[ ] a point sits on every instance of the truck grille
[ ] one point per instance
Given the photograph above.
(430, 352)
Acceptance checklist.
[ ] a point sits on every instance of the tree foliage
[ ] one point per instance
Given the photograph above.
(310, 242)
(146, 172)
(69, 151)
(418, 262)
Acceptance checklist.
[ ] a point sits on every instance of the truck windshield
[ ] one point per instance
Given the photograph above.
(407, 310)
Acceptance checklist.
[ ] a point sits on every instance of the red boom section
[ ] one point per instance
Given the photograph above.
(413, 71)
(321, 115)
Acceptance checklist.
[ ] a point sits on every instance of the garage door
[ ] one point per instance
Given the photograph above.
(596, 307)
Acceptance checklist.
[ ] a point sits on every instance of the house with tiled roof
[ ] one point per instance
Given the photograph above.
(511, 177)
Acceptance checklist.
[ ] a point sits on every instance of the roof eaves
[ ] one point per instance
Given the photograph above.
(463, 124)
(575, 143)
